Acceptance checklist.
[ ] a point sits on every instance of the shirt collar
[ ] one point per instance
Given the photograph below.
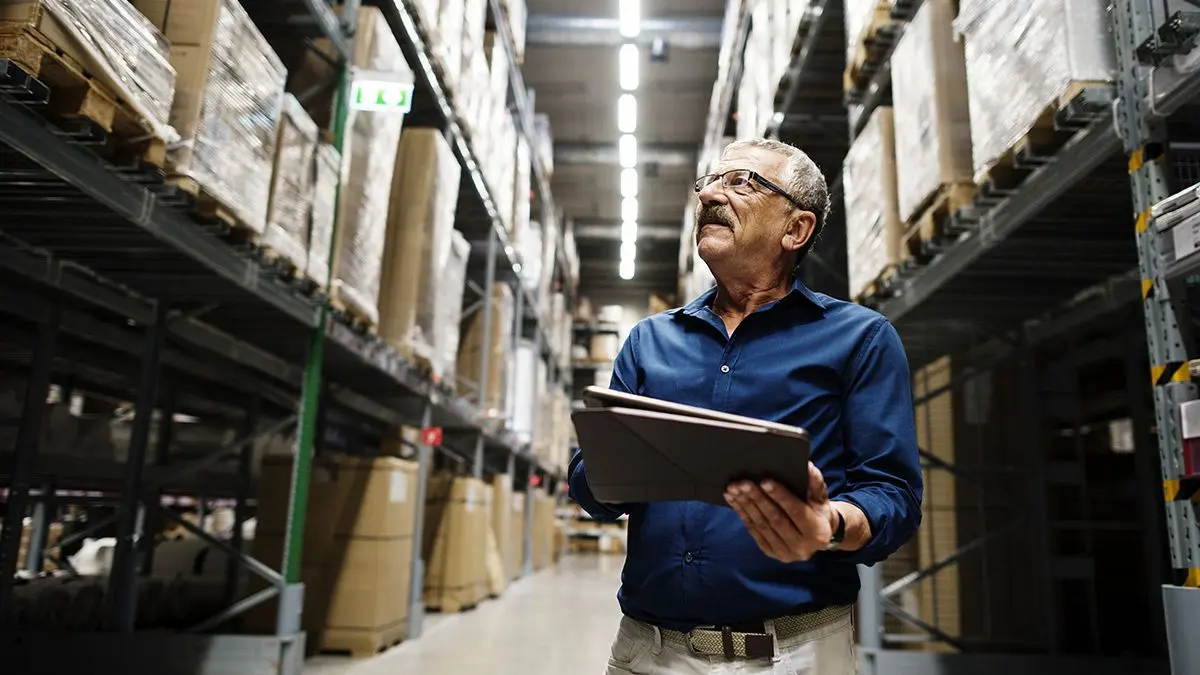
(705, 300)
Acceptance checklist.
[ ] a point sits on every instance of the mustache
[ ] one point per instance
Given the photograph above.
(714, 213)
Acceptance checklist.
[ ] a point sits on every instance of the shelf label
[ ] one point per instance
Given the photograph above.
(381, 91)
(431, 436)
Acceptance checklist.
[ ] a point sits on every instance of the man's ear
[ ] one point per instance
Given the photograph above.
(799, 231)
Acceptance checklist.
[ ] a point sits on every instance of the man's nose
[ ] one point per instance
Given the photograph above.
(713, 193)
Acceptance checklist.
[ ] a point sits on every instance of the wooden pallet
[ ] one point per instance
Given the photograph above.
(876, 287)
(1042, 140)
(361, 643)
(75, 96)
(931, 225)
(869, 50)
(209, 207)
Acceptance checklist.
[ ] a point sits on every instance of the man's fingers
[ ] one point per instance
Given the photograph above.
(790, 503)
(767, 546)
(768, 515)
(759, 522)
(817, 490)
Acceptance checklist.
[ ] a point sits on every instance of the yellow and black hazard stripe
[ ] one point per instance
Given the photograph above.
(1147, 153)
(1174, 371)
(1193, 578)
(1181, 490)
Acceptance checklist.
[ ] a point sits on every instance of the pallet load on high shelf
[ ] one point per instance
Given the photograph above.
(425, 270)
(933, 130)
(1036, 72)
(773, 28)
(471, 350)
(870, 30)
(872, 219)
(457, 519)
(369, 155)
(228, 102)
(85, 53)
(1179, 215)
(357, 553)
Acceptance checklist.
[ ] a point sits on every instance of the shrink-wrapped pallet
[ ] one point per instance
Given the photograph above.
(1023, 58)
(929, 99)
(530, 247)
(447, 309)
(497, 346)
(543, 144)
(872, 220)
(457, 520)
(419, 247)
(516, 14)
(114, 43)
(292, 184)
(228, 102)
(327, 172)
(448, 43)
(370, 148)
(522, 184)
(858, 16)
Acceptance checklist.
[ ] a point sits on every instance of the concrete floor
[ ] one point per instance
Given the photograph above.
(560, 620)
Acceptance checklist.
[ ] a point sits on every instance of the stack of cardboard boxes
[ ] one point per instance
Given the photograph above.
(498, 347)
(457, 520)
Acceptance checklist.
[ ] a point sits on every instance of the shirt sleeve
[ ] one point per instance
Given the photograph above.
(883, 473)
(624, 378)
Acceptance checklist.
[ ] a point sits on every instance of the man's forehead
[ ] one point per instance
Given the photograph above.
(762, 160)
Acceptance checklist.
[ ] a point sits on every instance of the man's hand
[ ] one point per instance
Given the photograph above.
(786, 527)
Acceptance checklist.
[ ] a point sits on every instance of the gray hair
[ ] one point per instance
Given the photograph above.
(803, 180)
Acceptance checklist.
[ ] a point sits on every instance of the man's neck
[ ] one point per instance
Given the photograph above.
(738, 298)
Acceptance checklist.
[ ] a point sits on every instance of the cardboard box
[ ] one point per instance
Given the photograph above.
(501, 521)
(929, 99)
(321, 516)
(516, 534)
(229, 93)
(370, 582)
(456, 574)
(376, 497)
(292, 185)
(327, 172)
(471, 352)
(419, 251)
(873, 229)
(448, 44)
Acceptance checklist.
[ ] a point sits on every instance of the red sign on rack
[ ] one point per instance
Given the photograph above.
(431, 436)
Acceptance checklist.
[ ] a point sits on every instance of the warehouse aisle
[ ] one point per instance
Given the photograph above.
(561, 620)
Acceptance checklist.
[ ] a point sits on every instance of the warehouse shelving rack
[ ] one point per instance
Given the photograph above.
(112, 286)
(1024, 266)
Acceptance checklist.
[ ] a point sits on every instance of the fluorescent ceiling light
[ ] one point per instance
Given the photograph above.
(629, 209)
(626, 269)
(627, 113)
(627, 67)
(629, 182)
(628, 251)
(631, 18)
(627, 151)
(629, 231)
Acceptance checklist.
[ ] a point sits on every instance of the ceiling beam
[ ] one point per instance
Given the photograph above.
(646, 231)
(597, 153)
(650, 267)
(564, 30)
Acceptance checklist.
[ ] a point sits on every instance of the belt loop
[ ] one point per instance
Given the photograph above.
(769, 627)
(658, 640)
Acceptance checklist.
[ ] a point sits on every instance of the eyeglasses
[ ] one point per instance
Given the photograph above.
(739, 180)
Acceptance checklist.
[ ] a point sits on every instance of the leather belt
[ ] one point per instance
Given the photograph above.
(752, 641)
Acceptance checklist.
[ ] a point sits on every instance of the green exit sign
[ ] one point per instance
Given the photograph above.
(380, 92)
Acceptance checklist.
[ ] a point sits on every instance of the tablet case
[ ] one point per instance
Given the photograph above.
(645, 456)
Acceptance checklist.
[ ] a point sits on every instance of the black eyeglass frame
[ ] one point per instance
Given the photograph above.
(752, 175)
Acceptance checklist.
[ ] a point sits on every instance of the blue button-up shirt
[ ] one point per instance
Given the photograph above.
(809, 360)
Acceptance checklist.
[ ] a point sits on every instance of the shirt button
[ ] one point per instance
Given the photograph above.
(724, 369)
(687, 557)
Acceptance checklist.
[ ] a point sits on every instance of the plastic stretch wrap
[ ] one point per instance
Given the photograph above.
(326, 175)
(543, 143)
(857, 15)
(228, 116)
(530, 246)
(448, 45)
(419, 246)
(370, 146)
(292, 184)
(929, 92)
(1021, 56)
(129, 53)
(447, 308)
(517, 13)
(474, 25)
(869, 185)
(522, 184)
(504, 170)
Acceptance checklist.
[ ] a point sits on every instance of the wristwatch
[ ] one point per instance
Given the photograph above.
(839, 533)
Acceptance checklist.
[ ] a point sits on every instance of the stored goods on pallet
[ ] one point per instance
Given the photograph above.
(115, 44)
(477, 105)
(543, 529)
(515, 14)
(427, 14)
(524, 391)
(228, 101)
(370, 146)
(786, 19)
(571, 253)
(474, 26)
(447, 307)
(543, 143)
(501, 521)
(499, 66)
(521, 189)
(872, 220)
(929, 99)
(516, 535)
(327, 174)
(292, 185)
(503, 169)
(448, 47)
(420, 250)
(1024, 60)
(551, 237)
(859, 16)
(470, 353)
(457, 517)
(530, 246)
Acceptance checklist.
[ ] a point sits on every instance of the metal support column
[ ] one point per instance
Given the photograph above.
(477, 461)
(1167, 316)
(527, 538)
(486, 341)
(416, 588)
(162, 452)
(241, 511)
(37, 387)
(39, 529)
(870, 616)
(122, 586)
(1041, 586)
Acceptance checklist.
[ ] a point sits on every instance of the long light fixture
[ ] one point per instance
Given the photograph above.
(629, 231)
(627, 67)
(631, 18)
(626, 269)
(627, 151)
(628, 251)
(629, 209)
(627, 114)
(629, 183)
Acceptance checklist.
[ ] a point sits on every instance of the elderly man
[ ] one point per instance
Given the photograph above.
(770, 581)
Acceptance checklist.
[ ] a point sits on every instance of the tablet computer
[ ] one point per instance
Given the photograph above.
(599, 397)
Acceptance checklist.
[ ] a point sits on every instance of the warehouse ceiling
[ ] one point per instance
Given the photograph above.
(571, 63)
